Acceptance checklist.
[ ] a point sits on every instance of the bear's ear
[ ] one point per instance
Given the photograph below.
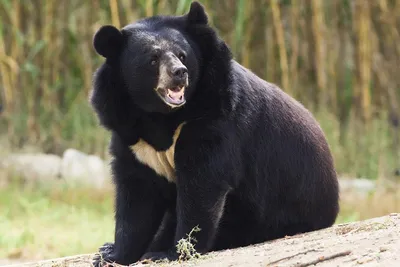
(197, 14)
(107, 41)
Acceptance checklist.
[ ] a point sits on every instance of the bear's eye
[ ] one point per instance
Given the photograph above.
(154, 60)
(182, 57)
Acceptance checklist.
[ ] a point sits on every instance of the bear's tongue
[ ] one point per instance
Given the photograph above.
(175, 95)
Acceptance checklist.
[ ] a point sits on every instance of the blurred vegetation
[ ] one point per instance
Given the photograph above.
(40, 221)
(340, 58)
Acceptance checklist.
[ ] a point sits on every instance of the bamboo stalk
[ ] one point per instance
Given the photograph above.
(270, 48)
(305, 56)
(115, 14)
(295, 10)
(239, 27)
(363, 58)
(341, 66)
(149, 8)
(332, 57)
(6, 64)
(15, 53)
(47, 64)
(248, 24)
(318, 30)
(276, 16)
(390, 35)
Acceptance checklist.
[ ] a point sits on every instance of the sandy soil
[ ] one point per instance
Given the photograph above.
(374, 242)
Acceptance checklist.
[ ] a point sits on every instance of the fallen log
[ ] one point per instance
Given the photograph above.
(373, 242)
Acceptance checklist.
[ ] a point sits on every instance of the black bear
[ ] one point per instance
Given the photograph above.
(199, 140)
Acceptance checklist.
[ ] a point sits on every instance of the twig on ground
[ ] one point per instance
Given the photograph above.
(292, 256)
(323, 258)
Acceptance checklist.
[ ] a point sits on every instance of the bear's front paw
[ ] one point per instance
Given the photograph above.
(105, 257)
(164, 255)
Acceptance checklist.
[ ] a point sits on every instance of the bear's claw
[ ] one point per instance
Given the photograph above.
(105, 256)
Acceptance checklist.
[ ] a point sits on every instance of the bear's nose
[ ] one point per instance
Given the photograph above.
(179, 72)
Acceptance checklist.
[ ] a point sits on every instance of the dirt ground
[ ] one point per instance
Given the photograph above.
(373, 242)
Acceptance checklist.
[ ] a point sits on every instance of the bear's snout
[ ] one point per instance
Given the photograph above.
(179, 75)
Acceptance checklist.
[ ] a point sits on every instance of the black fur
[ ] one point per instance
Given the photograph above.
(252, 164)
(107, 41)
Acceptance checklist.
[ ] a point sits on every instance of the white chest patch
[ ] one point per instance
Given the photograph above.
(161, 162)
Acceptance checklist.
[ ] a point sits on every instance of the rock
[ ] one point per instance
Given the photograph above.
(74, 167)
(32, 167)
(361, 186)
(78, 167)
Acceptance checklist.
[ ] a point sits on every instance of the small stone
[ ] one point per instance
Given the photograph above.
(79, 167)
(32, 166)
(383, 249)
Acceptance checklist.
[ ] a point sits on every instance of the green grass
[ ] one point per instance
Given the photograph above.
(55, 220)
(40, 223)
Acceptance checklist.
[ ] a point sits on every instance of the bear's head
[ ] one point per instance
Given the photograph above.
(158, 60)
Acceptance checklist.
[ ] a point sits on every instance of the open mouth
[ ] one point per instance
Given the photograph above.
(174, 96)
